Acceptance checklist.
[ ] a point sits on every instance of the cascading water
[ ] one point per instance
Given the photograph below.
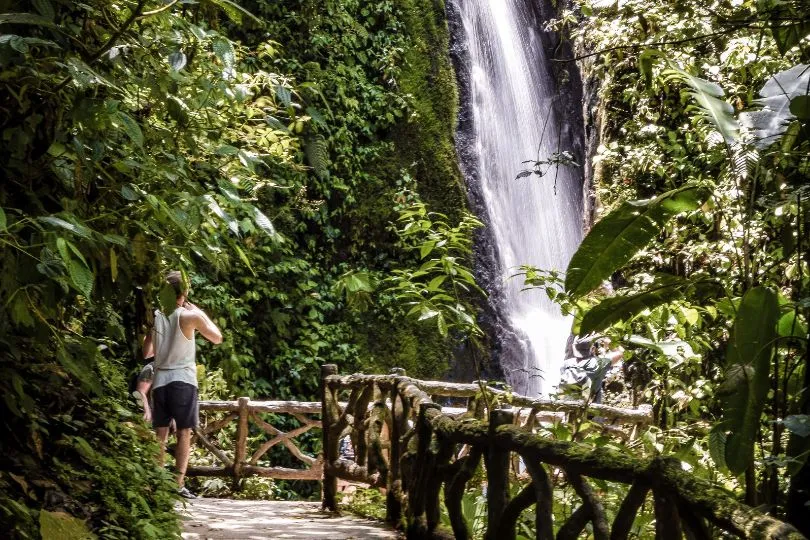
(511, 111)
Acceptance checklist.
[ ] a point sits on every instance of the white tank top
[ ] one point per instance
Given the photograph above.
(175, 354)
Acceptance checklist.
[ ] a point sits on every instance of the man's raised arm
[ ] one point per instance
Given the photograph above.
(205, 325)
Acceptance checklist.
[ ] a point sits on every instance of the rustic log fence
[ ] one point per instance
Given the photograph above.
(239, 463)
(406, 442)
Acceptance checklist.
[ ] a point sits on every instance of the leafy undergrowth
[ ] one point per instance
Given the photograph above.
(364, 502)
(90, 465)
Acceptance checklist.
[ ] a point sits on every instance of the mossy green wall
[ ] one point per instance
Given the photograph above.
(426, 140)
(424, 145)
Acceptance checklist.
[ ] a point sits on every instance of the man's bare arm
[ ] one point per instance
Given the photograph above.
(204, 324)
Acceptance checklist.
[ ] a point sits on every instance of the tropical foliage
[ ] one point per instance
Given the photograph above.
(260, 148)
(699, 262)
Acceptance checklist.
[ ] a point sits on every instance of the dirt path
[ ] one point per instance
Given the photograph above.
(229, 519)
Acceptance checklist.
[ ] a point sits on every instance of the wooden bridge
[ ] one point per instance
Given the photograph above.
(408, 441)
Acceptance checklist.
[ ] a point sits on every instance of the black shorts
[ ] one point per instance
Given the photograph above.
(176, 400)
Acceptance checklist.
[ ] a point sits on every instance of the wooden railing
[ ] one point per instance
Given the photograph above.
(238, 462)
(404, 441)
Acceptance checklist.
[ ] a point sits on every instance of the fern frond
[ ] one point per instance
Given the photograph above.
(744, 160)
(317, 155)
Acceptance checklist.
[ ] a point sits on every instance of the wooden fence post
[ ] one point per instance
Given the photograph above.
(497, 463)
(240, 452)
(393, 501)
(330, 446)
(424, 467)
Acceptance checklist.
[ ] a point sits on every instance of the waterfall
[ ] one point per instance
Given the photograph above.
(508, 100)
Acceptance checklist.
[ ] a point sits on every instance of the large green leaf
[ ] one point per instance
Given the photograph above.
(223, 49)
(717, 446)
(234, 11)
(746, 384)
(615, 238)
(25, 18)
(167, 298)
(130, 126)
(787, 35)
(664, 289)
(82, 277)
(80, 365)
(708, 96)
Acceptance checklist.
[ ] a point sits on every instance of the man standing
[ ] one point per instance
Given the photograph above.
(174, 387)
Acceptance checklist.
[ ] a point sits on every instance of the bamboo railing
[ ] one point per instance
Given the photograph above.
(239, 463)
(405, 442)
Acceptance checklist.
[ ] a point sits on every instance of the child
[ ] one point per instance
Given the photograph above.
(142, 388)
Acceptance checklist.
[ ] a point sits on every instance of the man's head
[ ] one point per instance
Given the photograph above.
(175, 279)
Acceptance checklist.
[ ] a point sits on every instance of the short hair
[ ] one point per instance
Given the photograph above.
(175, 279)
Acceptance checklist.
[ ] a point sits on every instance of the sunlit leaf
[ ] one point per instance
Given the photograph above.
(708, 97)
(80, 230)
(769, 123)
(177, 60)
(441, 324)
(263, 222)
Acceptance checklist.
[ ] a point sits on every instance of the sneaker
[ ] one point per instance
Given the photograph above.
(185, 493)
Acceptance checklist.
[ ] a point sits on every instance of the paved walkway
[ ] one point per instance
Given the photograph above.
(247, 520)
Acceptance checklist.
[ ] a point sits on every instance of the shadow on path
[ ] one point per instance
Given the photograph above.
(230, 519)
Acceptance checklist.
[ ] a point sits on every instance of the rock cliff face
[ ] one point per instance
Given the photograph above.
(486, 251)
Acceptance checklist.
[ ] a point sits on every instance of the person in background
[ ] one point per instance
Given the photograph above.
(588, 360)
(143, 387)
(174, 386)
(143, 392)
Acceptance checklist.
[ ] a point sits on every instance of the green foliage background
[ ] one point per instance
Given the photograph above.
(709, 290)
(265, 149)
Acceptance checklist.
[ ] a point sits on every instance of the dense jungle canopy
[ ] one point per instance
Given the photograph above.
(297, 160)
